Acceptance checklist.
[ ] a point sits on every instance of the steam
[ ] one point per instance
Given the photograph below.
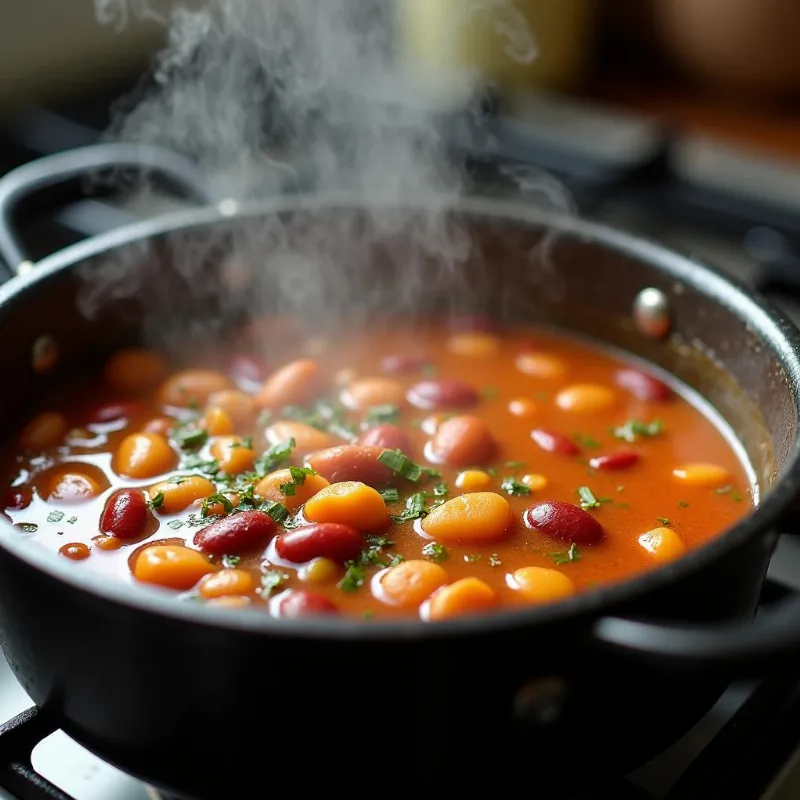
(244, 86)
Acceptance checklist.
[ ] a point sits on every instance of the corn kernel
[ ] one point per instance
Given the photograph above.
(320, 570)
(702, 474)
(473, 480)
(662, 544)
(534, 482)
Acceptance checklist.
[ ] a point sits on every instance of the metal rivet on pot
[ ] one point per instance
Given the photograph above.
(651, 313)
(44, 354)
(541, 701)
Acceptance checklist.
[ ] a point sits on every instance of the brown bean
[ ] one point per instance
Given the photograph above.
(387, 436)
(352, 462)
(297, 383)
(461, 441)
(563, 521)
(442, 393)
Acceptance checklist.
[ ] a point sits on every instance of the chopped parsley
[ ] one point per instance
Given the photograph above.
(277, 511)
(512, 486)
(298, 475)
(72, 520)
(664, 521)
(515, 464)
(55, 516)
(354, 577)
(416, 508)
(378, 415)
(190, 438)
(400, 463)
(375, 551)
(275, 455)
(635, 429)
(683, 504)
(561, 557)
(175, 524)
(729, 490)
(193, 462)
(157, 500)
(230, 562)
(586, 441)
(441, 490)
(215, 499)
(28, 527)
(588, 500)
(390, 495)
(494, 560)
(434, 552)
(472, 557)
(271, 580)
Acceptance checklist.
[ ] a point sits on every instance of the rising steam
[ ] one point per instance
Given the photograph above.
(242, 86)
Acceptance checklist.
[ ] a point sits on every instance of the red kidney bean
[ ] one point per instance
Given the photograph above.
(400, 363)
(351, 462)
(555, 442)
(297, 603)
(237, 533)
(248, 371)
(613, 461)
(442, 393)
(17, 498)
(388, 437)
(111, 412)
(643, 386)
(473, 323)
(323, 540)
(125, 515)
(563, 521)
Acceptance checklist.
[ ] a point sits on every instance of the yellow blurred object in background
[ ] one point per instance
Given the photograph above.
(517, 43)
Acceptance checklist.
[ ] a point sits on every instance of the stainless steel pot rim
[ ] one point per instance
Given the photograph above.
(781, 334)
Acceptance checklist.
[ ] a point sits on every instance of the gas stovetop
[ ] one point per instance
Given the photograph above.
(732, 208)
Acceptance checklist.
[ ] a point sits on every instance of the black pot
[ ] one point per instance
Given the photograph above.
(205, 702)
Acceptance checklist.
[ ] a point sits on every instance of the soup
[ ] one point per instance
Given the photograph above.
(428, 472)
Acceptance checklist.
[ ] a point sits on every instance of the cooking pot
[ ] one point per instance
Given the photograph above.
(205, 702)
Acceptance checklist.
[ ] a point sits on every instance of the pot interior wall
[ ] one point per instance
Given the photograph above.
(184, 291)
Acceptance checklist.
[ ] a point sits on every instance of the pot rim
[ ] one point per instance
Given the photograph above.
(780, 334)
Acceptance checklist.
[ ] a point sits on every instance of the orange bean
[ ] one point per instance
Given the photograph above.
(217, 422)
(171, 566)
(662, 544)
(466, 596)
(75, 551)
(229, 602)
(534, 482)
(473, 343)
(233, 454)
(307, 439)
(192, 387)
(45, 430)
(226, 582)
(348, 503)
(320, 570)
(162, 426)
(473, 480)
(144, 455)
(107, 542)
(410, 583)
(472, 517)
(522, 407)
(73, 486)
(269, 488)
(180, 492)
(541, 365)
(240, 407)
(702, 474)
(296, 383)
(585, 398)
(541, 585)
(368, 392)
(134, 370)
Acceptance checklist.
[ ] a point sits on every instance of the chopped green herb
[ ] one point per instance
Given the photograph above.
(157, 500)
(275, 455)
(567, 556)
(276, 510)
(494, 560)
(735, 496)
(491, 471)
(193, 462)
(664, 521)
(72, 520)
(178, 479)
(588, 500)
(515, 464)
(368, 614)
(441, 490)
(434, 552)
(354, 577)
(512, 486)
(230, 562)
(299, 475)
(373, 554)
(416, 508)
(378, 415)
(400, 463)
(683, 504)
(28, 527)
(271, 580)
(586, 441)
(175, 524)
(215, 499)
(190, 438)
(634, 429)
(472, 557)
(55, 516)
(390, 495)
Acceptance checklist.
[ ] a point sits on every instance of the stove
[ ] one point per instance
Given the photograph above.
(728, 206)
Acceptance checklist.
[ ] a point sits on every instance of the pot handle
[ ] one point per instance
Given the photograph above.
(60, 172)
(742, 648)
